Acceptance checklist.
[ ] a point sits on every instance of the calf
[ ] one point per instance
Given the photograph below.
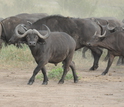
(53, 47)
(113, 42)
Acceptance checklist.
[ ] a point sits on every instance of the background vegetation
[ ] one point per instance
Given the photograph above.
(11, 57)
(74, 8)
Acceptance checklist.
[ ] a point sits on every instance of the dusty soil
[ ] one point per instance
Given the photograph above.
(92, 90)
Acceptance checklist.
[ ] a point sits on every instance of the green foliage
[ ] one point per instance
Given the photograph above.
(55, 73)
(39, 77)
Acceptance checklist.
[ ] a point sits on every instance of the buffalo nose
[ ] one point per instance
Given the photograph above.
(88, 44)
(32, 43)
(10, 42)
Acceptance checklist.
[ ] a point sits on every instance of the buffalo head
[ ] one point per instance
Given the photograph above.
(19, 29)
(31, 35)
(96, 38)
(109, 28)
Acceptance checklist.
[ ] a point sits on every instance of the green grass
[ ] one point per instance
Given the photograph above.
(56, 74)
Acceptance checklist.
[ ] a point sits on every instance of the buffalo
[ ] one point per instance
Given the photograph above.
(110, 25)
(53, 47)
(7, 25)
(80, 29)
(112, 42)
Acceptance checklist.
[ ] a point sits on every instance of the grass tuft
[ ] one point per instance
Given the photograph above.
(55, 74)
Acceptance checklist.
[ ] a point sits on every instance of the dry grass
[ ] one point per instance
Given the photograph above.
(12, 57)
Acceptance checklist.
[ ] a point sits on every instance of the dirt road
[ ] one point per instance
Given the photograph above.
(92, 90)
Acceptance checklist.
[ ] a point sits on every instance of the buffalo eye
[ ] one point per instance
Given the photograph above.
(35, 37)
(27, 37)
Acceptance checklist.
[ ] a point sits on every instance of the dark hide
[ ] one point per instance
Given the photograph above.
(80, 29)
(1, 41)
(58, 47)
(114, 44)
(9, 24)
(110, 25)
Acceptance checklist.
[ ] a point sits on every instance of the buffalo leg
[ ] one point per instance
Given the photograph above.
(66, 64)
(111, 58)
(37, 69)
(120, 61)
(0, 44)
(72, 65)
(61, 81)
(84, 51)
(107, 56)
(96, 54)
(45, 81)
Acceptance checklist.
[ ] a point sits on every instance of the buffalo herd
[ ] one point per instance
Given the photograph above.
(54, 38)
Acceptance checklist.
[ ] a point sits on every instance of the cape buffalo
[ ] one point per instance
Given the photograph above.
(7, 25)
(108, 24)
(54, 47)
(80, 29)
(117, 26)
(112, 42)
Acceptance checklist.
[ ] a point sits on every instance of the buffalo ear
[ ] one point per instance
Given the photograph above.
(42, 41)
(102, 38)
(112, 30)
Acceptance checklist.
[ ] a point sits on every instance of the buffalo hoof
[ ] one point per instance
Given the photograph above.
(104, 73)
(30, 83)
(44, 83)
(93, 68)
(60, 82)
(75, 81)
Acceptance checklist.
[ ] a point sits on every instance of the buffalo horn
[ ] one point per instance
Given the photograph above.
(41, 36)
(30, 23)
(98, 23)
(95, 33)
(110, 28)
(19, 35)
(103, 35)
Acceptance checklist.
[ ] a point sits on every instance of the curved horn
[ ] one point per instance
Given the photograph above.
(95, 33)
(30, 23)
(110, 28)
(103, 35)
(98, 23)
(41, 36)
(23, 26)
(23, 35)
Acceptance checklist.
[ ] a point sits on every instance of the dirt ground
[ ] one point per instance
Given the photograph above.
(92, 90)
